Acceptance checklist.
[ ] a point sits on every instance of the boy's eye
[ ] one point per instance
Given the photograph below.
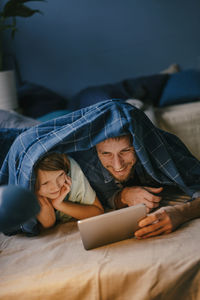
(62, 174)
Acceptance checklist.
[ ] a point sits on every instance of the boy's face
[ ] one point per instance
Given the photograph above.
(117, 156)
(50, 183)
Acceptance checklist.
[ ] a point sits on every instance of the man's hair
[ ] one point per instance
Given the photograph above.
(52, 162)
(118, 138)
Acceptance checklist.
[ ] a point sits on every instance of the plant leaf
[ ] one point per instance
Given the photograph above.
(16, 9)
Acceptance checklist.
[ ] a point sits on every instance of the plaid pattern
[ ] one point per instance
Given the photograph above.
(163, 155)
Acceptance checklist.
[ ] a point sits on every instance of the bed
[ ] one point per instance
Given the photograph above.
(55, 265)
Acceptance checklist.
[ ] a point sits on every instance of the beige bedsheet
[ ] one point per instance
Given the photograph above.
(56, 266)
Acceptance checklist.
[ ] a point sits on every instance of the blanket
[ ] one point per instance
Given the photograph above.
(162, 154)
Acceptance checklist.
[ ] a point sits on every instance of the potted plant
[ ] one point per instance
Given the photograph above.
(9, 11)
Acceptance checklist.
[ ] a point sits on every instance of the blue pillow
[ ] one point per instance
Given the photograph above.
(36, 100)
(182, 87)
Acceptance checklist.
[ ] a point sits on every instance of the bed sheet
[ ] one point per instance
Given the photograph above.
(55, 265)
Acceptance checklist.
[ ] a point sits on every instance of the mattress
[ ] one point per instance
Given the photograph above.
(55, 265)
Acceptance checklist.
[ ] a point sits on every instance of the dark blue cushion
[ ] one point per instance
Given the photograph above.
(36, 100)
(182, 87)
(95, 94)
(145, 88)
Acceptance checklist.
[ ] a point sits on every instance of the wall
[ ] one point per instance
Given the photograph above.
(80, 43)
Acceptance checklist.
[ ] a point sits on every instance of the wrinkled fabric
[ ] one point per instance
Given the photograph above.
(55, 265)
(163, 155)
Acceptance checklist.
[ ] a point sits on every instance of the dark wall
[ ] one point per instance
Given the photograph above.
(80, 43)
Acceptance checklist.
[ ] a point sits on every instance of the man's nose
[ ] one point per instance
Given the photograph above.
(117, 162)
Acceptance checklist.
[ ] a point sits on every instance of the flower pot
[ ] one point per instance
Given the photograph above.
(8, 91)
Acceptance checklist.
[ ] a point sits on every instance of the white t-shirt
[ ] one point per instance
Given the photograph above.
(81, 190)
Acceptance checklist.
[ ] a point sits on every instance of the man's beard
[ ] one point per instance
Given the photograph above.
(128, 177)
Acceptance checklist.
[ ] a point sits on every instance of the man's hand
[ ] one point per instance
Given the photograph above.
(137, 194)
(63, 192)
(156, 223)
(167, 219)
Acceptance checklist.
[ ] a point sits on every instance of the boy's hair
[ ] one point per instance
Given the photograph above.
(52, 162)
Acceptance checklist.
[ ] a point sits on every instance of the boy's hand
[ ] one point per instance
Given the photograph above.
(63, 192)
(46, 215)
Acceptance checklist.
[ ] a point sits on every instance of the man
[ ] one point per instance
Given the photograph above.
(117, 155)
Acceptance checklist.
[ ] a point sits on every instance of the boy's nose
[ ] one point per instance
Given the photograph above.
(55, 186)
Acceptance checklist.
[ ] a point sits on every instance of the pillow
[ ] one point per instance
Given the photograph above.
(146, 88)
(53, 115)
(12, 119)
(183, 121)
(181, 87)
(95, 94)
(36, 100)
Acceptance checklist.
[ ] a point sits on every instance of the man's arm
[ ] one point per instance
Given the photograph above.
(167, 219)
(130, 196)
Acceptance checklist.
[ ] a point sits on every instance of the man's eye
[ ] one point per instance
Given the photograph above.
(127, 150)
(107, 154)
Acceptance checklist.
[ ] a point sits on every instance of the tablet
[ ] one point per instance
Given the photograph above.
(111, 227)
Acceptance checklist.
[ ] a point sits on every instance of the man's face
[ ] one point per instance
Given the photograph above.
(117, 156)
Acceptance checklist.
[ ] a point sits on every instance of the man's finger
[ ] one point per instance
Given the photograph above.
(150, 219)
(151, 204)
(153, 190)
(159, 231)
(150, 197)
(148, 229)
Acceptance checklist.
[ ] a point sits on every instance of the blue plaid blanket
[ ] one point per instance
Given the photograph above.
(163, 155)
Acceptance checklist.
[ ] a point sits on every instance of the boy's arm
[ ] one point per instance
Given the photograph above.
(46, 216)
(79, 211)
